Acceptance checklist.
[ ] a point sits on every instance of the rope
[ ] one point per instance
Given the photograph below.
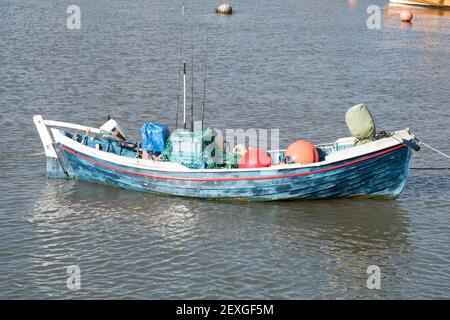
(36, 154)
(434, 149)
(430, 168)
(423, 143)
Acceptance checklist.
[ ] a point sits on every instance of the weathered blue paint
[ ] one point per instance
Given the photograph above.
(59, 167)
(54, 168)
(383, 175)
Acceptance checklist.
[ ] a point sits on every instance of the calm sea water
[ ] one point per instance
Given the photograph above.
(292, 65)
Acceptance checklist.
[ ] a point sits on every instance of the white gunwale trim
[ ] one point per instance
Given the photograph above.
(176, 167)
(60, 124)
(45, 136)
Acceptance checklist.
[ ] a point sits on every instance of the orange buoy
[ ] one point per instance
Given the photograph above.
(302, 152)
(255, 158)
(406, 15)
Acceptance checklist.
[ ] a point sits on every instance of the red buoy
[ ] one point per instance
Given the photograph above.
(406, 15)
(302, 152)
(255, 158)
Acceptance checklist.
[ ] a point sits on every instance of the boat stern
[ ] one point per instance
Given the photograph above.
(55, 168)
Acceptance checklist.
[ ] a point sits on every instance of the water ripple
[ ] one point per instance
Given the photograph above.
(290, 71)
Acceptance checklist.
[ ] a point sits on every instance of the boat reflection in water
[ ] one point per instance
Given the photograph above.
(173, 247)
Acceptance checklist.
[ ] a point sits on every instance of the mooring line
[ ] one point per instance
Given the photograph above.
(426, 168)
(434, 149)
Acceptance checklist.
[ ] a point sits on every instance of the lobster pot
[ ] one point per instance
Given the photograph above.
(186, 148)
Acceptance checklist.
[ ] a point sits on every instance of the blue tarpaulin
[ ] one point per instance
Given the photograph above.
(154, 137)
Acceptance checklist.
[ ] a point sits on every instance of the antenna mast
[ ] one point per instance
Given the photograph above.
(204, 81)
(179, 79)
(192, 80)
(184, 94)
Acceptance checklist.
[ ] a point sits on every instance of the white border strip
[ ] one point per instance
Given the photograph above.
(337, 156)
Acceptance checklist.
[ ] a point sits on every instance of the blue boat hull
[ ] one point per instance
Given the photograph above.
(381, 174)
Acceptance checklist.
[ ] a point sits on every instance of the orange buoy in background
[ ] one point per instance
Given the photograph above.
(406, 15)
(255, 158)
(302, 152)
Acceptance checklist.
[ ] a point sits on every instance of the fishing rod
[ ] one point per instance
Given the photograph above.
(204, 81)
(184, 81)
(184, 94)
(192, 80)
(179, 79)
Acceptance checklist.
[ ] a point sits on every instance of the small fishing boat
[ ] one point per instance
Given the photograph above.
(434, 3)
(378, 168)
(196, 163)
